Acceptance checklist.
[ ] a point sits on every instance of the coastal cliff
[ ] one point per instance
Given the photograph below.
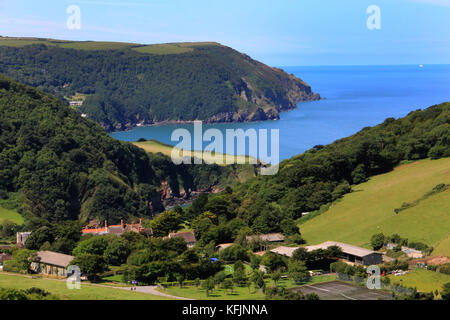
(123, 85)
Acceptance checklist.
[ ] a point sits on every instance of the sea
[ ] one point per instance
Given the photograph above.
(353, 97)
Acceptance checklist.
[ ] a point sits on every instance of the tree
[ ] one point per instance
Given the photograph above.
(219, 277)
(228, 285)
(234, 253)
(276, 276)
(257, 278)
(8, 228)
(445, 292)
(117, 252)
(90, 264)
(273, 261)
(239, 276)
(254, 262)
(38, 237)
(12, 294)
(359, 174)
(21, 261)
(312, 296)
(377, 241)
(289, 227)
(166, 222)
(95, 245)
(197, 283)
(297, 270)
(208, 285)
(301, 254)
(180, 279)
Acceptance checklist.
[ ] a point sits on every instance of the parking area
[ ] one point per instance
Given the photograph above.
(339, 290)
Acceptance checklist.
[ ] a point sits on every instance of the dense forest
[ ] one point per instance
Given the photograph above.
(124, 87)
(65, 167)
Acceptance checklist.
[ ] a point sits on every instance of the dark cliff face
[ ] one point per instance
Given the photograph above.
(130, 86)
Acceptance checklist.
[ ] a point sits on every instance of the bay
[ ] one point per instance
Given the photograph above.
(354, 97)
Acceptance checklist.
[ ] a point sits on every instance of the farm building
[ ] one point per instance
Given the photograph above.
(350, 253)
(51, 263)
(189, 237)
(284, 251)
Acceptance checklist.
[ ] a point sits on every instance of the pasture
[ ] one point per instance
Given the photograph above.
(369, 209)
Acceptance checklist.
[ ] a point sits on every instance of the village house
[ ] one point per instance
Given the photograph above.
(94, 228)
(21, 238)
(51, 263)
(76, 103)
(188, 236)
(223, 246)
(410, 252)
(265, 239)
(269, 237)
(350, 253)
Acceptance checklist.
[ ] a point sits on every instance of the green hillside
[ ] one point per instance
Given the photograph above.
(65, 167)
(127, 84)
(366, 176)
(6, 214)
(369, 209)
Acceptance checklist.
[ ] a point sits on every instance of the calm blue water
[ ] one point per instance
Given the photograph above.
(355, 97)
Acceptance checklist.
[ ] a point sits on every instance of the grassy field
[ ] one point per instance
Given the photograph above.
(59, 288)
(166, 48)
(156, 146)
(421, 279)
(6, 214)
(81, 45)
(239, 293)
(369, 209)
(443, 248)
(96, 45)
(163, 49)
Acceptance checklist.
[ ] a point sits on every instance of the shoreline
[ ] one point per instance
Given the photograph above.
(208, 121)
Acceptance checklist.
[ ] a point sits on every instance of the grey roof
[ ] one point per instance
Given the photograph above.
(188, 236)
(285, 251)
(271, 237)
(116, 230)
(346, 248)
(54, 258)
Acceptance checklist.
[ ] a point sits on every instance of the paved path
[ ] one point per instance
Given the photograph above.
(152, 290)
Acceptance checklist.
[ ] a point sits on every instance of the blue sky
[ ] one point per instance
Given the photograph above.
(277, 32)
